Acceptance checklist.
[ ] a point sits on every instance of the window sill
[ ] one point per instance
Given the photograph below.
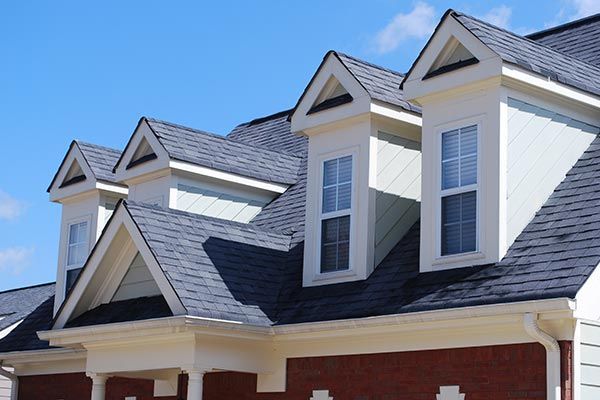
(334, 275)
(458, 258)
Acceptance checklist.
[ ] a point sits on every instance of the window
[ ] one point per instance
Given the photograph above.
(335, 214)
(459, 191)
(77, 251)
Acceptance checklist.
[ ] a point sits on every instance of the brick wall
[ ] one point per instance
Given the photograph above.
(515, 372)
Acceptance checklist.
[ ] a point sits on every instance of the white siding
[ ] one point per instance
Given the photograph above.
(590, 361)
(200, 200)
(542, 146)
(398, 190)
(5, 385)
(138, 282)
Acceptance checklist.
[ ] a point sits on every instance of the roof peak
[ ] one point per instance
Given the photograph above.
(339, 53)
(565, 26)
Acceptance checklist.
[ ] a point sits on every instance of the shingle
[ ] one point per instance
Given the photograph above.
(16, 304)
(579, 39)
(218, 152)
(100, 159)
(534, 56)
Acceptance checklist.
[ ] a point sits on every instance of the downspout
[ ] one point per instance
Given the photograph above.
(14, 379)
(553, 383)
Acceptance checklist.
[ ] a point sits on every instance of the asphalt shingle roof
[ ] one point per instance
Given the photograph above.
(100, 159)
(534, 56)
(381, 83)
(580, 39)
(16, 304)
(218, 152)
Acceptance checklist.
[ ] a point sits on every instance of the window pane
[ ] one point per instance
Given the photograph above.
(329, 195)
(345, 169)
(73, 233)
(72, 275)
(344, 196)
(335, 244)
(450, 174)
(330, 173)
(77, 247)
(449, 145)
(459, 225)
(468, 170)
(468, 140)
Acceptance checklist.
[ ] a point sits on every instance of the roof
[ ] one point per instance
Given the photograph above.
(579, 39)
(100, 159)
(24, 336)
(16, 304)
(533, 56)
(380, 83)
(218, 152)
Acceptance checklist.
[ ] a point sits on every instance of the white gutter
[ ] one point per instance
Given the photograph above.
(553, 384)
(14, 379)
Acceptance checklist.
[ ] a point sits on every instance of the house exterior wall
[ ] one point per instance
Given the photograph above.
(488, 372)
(398, 190)
(543, 145)
(589, 364)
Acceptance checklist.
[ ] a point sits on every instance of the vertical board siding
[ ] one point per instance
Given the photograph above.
(5, 387)
(202, 201)
(398, 190)
(137, 282)
(590, 361)
(542, 147)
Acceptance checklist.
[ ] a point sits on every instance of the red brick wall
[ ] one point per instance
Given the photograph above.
(515, 372)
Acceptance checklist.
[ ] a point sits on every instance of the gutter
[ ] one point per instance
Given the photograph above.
(553, 383)
(14, 379)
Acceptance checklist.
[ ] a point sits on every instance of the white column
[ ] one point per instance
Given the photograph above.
(98, 386)
(195, 384)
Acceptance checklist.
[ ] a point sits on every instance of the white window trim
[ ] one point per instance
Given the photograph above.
(477, 187)
(318, 275)
(69, 223)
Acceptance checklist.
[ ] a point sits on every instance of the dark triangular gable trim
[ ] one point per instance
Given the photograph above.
(435, 31)
(62, 164)
(451, 67)
(305, 91)
(128, 145)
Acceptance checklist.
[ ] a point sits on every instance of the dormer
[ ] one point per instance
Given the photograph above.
(500, 132)
(364, 168)
(177, 167)
(87, 190)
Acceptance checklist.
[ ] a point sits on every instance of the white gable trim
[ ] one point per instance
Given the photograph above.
(74, 155)
(142, 131)
(82, 299)
(449, 29)
(330, 67)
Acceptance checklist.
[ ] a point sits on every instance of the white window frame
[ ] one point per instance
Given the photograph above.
(68, 225)
(318, 275)
(439, 131)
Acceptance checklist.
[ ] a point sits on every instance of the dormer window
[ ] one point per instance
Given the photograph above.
(459, 191)
(336, 213)
(77, 251)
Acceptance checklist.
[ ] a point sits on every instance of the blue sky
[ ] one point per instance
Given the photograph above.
(89, 71)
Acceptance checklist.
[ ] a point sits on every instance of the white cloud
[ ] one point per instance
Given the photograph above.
(583, 8)
(15, 259)
(417, 24)
(10, 208)
(499, 16)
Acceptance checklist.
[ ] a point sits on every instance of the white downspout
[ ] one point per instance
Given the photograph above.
(553, 384)
(14, 379)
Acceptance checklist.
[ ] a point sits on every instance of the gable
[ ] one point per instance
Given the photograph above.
(74, 175)
(332, 94)
(120, 267)
(453, 57)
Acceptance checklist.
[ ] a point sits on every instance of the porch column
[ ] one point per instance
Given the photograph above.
(98, 386)
(195, 383)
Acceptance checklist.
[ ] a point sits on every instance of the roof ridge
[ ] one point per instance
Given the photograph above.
(561, 27)
(369, 63)
(27, 287)
(79, 142)
(458, 13)
(188, 214)
(220, 137)
(260, 120)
